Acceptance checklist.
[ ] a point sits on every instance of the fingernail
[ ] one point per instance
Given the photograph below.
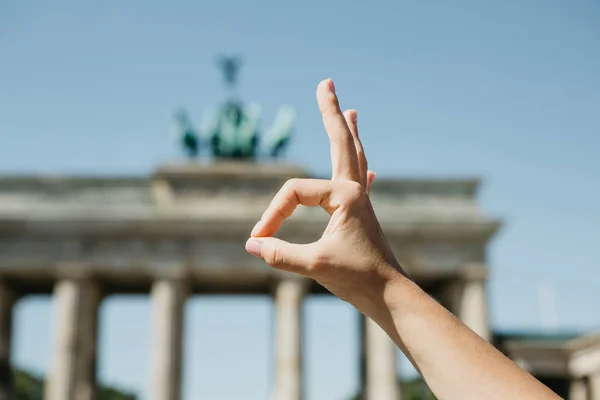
(354, 116)
(253, 246)
(331, 85)
(256, 228)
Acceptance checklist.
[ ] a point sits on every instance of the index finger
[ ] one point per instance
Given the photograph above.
(306, 192)
(344, 161)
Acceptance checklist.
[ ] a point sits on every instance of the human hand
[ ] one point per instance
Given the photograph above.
(352, 258)
(353, 261)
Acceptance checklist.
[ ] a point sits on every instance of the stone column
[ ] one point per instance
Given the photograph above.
(168, 298)
(466, 298)
(72, 373)
(7, 300)
(594, 386)
(578, 389)
(289, 295)
(378, 372)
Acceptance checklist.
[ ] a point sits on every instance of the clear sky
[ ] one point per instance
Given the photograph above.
(507, 91)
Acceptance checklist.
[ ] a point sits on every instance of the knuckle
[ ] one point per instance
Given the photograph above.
(275, 258)
(355, 191)
(290, 189)
(290, 185)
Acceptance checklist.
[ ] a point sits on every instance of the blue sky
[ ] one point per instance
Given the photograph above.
(506, 91)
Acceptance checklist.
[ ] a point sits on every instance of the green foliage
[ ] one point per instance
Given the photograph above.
(28, 386)
(414, 389)
(110, 393)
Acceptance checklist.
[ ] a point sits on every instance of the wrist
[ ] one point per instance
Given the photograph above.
(387, 294)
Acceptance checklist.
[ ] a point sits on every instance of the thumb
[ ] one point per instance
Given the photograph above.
(281, 254)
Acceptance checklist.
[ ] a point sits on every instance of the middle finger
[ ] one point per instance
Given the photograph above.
(363, 167)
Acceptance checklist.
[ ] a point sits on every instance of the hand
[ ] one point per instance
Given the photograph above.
(352, 258)
(353, 261)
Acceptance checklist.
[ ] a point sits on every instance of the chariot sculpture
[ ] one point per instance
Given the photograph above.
(233, 131)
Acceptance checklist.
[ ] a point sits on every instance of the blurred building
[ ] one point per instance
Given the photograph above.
(182, 231)
(567, 363)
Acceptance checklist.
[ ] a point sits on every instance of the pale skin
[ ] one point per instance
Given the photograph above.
(354, 262)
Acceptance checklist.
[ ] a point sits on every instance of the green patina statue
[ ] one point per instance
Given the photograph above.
(232, 130)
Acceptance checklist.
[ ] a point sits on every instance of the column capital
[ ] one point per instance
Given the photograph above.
(473, 272)
(171, 272)
(299, 283)
(74, 271)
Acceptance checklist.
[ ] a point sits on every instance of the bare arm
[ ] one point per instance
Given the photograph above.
(454, 361)
(354, 262)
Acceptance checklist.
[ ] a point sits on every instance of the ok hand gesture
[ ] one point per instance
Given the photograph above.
(352, 258)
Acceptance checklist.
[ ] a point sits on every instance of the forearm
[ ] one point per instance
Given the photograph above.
(454, 361)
